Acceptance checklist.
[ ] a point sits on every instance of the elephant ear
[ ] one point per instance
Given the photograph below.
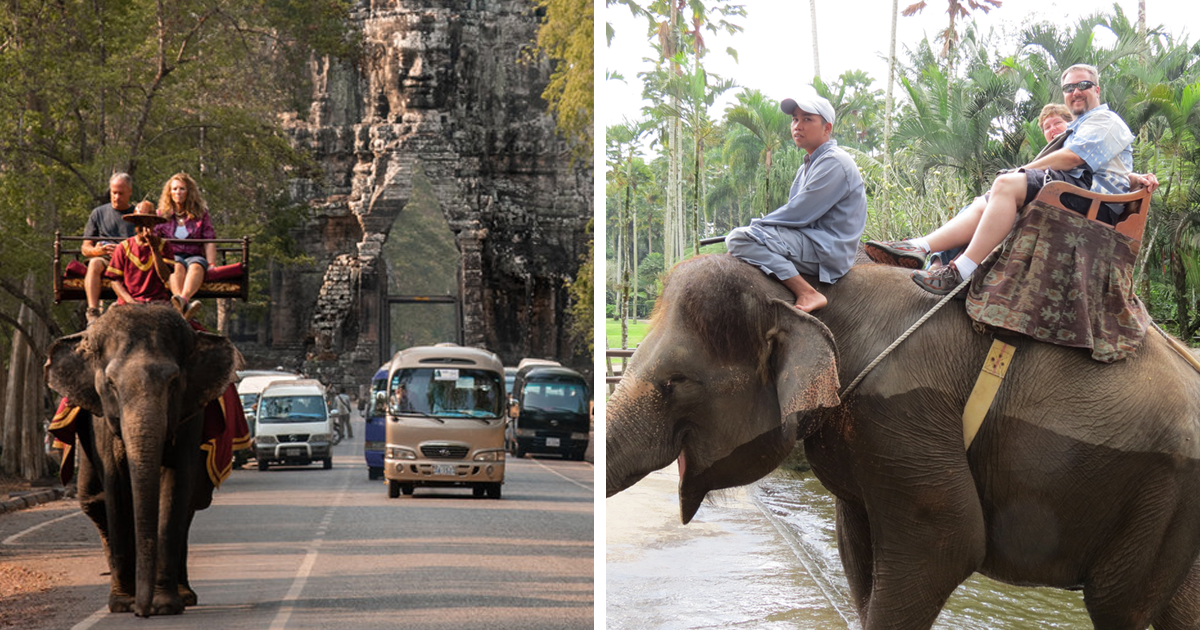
(211, 367)
(69, 372)
(805, 362)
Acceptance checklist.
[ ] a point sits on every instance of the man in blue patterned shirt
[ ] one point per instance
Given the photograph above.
(1099, 143)
(817, 231)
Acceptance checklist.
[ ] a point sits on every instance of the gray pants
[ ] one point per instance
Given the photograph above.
(780, 252)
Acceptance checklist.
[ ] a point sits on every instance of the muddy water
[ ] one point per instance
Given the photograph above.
(765, 558)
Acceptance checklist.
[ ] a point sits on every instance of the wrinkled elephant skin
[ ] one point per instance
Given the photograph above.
(145, 376)
(1083, 475)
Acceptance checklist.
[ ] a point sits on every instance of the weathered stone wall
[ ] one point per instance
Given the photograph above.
(454, 88)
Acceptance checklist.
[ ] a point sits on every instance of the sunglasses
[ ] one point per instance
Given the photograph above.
(1082, 86)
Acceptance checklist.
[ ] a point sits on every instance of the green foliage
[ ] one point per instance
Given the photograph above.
(582, 291)
(152, 88)
(566, 37)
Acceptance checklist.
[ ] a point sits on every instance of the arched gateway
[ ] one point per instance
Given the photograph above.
(444, 103)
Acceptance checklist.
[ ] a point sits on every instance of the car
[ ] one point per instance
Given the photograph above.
(375, 415)
(549, 412)
(445, 420)
(293, 425)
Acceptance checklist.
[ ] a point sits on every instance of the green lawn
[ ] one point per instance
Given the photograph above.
(637, 332)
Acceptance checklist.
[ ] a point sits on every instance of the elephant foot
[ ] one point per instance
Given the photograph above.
(120, 602)
(166, 603)
(188, 595)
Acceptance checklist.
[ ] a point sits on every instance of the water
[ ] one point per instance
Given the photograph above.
(765, 558)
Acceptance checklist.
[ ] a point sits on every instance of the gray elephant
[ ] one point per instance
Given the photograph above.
(145, 376)
(1083, 475)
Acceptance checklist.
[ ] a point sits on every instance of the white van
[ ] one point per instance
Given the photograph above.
(294, 426)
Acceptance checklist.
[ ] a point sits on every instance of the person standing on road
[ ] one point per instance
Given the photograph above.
(341, 402)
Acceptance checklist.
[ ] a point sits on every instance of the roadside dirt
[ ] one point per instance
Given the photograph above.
(23, 592)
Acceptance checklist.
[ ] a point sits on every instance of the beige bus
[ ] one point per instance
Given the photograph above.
(445, 420)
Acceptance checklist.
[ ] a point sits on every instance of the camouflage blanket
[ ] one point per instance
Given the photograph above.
(1062, 279)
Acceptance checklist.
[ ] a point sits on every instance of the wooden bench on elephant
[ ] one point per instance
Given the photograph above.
(229, 278)
(1065, 278)
(1132, 221)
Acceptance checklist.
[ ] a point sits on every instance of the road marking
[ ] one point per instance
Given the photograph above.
(310, 559)
(91, 621)
(11, 540)
(585, 487)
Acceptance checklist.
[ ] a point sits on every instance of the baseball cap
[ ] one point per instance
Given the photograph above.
(811, 103)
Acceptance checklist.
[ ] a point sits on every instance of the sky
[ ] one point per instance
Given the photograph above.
(775, 48)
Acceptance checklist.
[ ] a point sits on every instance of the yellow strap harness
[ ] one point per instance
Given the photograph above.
(991, 375)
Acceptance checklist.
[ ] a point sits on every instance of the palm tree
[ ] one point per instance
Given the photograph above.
(812, 9)
(955, 9)
(767, 133)
(885, 210)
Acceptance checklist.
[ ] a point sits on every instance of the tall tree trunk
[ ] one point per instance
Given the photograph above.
(22, 400)
(885, 210)
(812, 10)
(634, 259)
(1141, 23)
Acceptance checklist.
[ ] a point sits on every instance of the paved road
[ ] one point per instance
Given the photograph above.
(305, 548)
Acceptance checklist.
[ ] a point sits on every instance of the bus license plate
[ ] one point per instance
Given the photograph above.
(551, 442)
(445, 469)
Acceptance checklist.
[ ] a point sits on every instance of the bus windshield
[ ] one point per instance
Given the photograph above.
(447, 393)
(292, 409)
(555, 396)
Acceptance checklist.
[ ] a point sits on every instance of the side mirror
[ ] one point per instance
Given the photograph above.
(514, 409)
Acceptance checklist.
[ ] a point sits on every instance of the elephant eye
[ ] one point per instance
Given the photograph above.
(668, 386)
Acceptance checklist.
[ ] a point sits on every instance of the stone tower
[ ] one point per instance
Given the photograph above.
(450, 88)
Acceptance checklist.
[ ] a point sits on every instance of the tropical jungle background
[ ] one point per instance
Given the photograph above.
(963, 104)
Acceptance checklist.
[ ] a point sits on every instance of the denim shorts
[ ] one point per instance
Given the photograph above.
(187, 261)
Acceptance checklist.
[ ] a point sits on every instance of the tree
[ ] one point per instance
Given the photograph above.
(767, 133)
(566, 37)
(812, 10)
(955, 9)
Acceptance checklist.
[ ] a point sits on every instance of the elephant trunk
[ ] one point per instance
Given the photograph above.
(639, 437)
(144, 445)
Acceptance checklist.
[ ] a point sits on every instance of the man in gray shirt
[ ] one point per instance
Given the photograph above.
(104, 230)
(817, 231)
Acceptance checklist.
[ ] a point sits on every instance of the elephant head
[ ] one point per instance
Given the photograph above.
(722, 382)
(143, 372)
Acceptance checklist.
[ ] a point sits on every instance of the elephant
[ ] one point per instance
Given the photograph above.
(1082, 476)
(145, 376)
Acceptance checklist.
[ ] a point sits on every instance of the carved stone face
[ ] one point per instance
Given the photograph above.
(416, 56)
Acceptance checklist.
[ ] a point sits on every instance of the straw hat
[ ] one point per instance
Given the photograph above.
(144, 215)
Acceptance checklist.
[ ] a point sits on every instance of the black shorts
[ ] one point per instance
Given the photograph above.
(1036, 178)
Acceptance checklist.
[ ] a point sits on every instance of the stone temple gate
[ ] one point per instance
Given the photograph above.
(448, 90)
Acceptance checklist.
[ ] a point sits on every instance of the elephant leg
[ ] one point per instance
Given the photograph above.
(1183, 611)
(854, 547)
(1148, 572)
(927, 539)
(105, 496)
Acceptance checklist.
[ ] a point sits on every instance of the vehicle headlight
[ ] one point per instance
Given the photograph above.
(319, 437)
(266, 439)
(396, 452)
(579, 436)
(489, 456)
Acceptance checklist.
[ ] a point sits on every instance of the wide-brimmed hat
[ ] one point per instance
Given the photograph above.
(810, 102)
(144, 214)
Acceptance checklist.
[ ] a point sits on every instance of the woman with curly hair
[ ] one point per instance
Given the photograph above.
(183, 205)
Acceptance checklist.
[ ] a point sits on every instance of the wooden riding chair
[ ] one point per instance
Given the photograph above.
(1132, 222)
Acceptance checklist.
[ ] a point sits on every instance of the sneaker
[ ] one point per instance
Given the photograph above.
(896, 253)
(191, 311)
(180, 303)
(938, 281)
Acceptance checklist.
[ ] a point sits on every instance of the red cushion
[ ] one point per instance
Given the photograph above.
(75, 269)
(225, 272)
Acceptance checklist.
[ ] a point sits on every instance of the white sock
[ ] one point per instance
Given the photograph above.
(922, 243)
(966, 266)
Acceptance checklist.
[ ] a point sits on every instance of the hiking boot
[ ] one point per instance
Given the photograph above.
(896, 253)
(938, 281)
(180, 303)
(191, 311)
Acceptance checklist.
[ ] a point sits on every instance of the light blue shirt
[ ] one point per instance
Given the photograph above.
(1105, 143)
(828, 204)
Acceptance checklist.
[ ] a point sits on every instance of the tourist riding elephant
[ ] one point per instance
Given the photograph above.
(145, 377)
(1083, 476)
